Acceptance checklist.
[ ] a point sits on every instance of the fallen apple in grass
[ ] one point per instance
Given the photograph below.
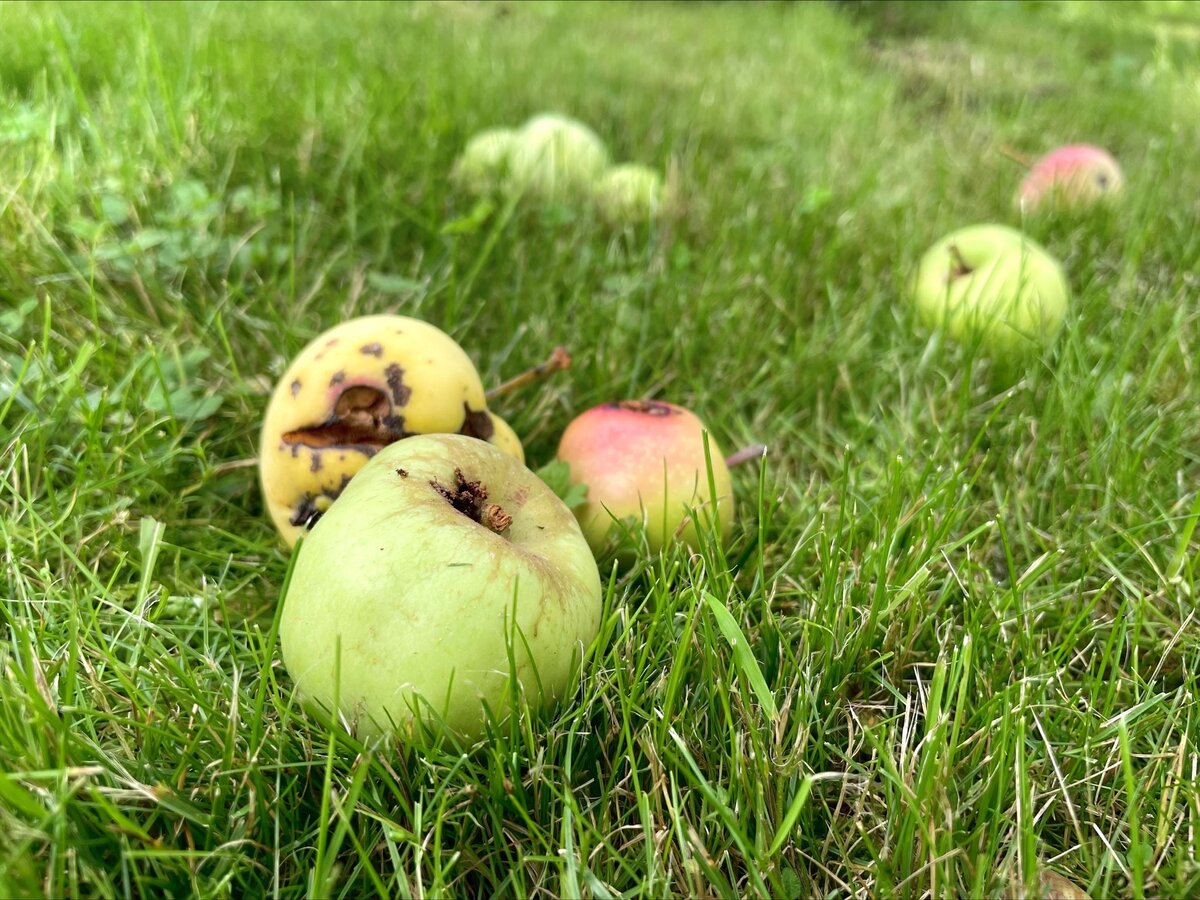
(483, 165)
(444, 567)
(1071, 177)
(992, 285)
(645, 460)
(630, 193)
(556, 157)
(352, 391)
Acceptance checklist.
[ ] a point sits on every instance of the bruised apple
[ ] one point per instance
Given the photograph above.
(445, 568)
(355, 389)
(645, 460)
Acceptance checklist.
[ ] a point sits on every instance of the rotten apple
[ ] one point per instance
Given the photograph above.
(355, 389)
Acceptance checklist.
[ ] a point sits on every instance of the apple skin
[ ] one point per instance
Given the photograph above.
(1071, 177)
(630, 193)
(506, 439)
(483, 165)
(644, 459)
(1013, 299)
(557, 158)
(421, 597)
(395, 375)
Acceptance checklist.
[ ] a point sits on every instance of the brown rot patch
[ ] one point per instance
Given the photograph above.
(338, 378)
(477, 423)
(295, 387)
(395, 379)
(362, 417)
(648, 407)
(375, 350)
(306, 514)
(470, 499)
(310, 508)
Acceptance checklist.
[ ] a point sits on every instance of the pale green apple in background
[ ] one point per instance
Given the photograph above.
(442, 556)
(992, 284)
(483, 165)
(557, 157)
(630, 193)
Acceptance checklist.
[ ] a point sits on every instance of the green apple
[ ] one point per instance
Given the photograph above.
(444, 567)
(630, 193)
(483, 165)
(556, 157)
(992, 285)
(644, 460)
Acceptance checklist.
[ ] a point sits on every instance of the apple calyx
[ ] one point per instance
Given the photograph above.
(961, 267)
(361, 417)
(649, 407)
(470, 498)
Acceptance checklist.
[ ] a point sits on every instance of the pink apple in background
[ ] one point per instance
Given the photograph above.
(645, 459)
(1071, 177)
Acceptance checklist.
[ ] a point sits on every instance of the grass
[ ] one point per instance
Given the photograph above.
(953, 642)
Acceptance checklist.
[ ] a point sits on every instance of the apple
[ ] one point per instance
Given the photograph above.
(630, 193)
(506, 439)
(353, 390)
(442, 557)
(1071, 177)
(556, 157)
(992, 285)
(483, 165)
(645, 459)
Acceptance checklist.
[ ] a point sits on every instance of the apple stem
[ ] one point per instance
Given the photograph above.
(559, 359)
(745, 455)
(960, 265)
(1019, 158)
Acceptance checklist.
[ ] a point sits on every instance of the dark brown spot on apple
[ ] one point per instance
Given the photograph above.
(307, 513)
(401, 392)
(375, 349)
(295, 387)
(403, 473)
(470, 498)
(315, 464)
(649, 407)
(338, 378)
(361, 418)
(477, 423)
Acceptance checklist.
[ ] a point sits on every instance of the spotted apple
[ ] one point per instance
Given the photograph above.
(353, 390)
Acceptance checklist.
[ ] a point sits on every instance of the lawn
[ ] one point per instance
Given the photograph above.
(970, 590)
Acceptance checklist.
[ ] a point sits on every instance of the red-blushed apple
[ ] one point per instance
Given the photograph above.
(1071, 177)
(645, 459)
(442, 558)
(354, 389)
(991, 285)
